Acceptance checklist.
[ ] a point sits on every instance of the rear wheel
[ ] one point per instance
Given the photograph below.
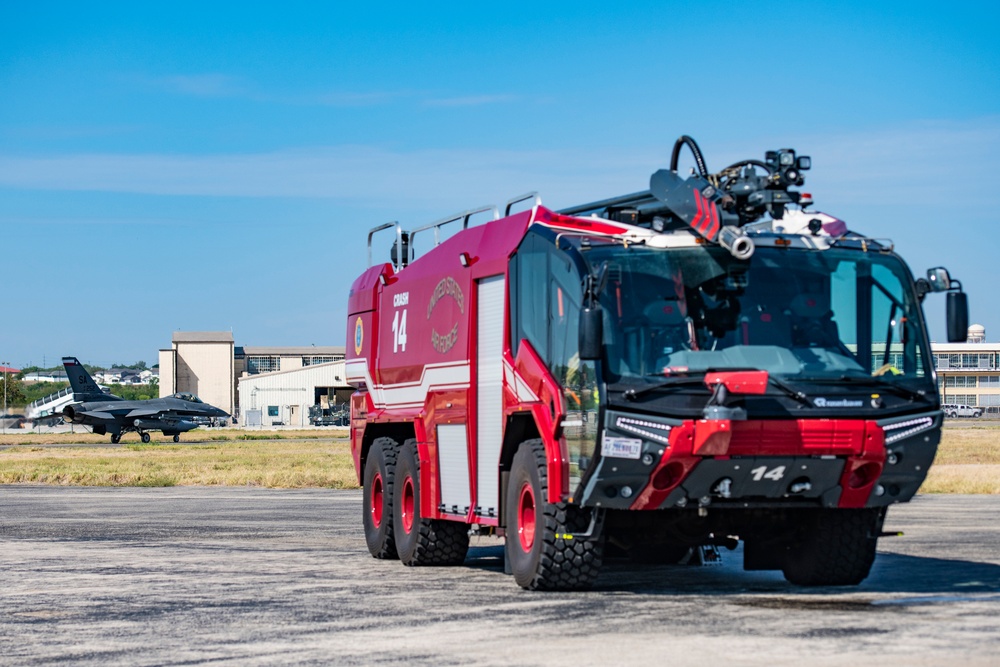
(836, 548)
(421, 541)
(377, 515)
(543, 552)
(177, 438)
(115, 438)
(145, 437)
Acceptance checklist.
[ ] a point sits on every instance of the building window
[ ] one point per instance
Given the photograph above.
(262, 364)
(961, 399)
(960, 381)
(272, 411)
(312, 361)
(989, 381)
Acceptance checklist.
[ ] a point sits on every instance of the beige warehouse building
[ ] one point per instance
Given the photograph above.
(200, 362)
(209, 364)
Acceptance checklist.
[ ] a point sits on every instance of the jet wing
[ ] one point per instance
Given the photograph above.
(139, 413)
(99, 416)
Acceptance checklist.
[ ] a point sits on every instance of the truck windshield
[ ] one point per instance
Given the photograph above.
(802, 314)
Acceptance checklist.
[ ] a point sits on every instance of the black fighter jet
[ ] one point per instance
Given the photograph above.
(106, 413)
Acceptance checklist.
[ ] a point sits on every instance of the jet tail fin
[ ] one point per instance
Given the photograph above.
(84, 387)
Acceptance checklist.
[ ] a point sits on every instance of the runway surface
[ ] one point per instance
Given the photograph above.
(247, 576)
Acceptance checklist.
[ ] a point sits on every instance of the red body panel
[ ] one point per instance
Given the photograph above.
(412, 355)
(861, 442)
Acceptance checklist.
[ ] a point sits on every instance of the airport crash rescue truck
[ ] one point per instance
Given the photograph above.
(650, 376)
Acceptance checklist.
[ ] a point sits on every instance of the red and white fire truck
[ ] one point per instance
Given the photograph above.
(701, 363)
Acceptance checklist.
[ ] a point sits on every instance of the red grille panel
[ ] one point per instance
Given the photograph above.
(803, 436)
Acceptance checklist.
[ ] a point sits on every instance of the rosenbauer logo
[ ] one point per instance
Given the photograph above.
(837, 403)
(359, 335)
(447, 287)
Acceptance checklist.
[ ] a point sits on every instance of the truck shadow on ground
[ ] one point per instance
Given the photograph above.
(892, 573)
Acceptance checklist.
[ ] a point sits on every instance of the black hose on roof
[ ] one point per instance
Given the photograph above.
(742, 163)
(699, 160)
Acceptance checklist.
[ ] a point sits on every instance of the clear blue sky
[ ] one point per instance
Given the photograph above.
(204, 166)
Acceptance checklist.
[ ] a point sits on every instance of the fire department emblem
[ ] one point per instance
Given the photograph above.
(359, 336)
(447, 287)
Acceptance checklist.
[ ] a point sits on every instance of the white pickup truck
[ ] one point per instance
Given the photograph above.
(955, 410)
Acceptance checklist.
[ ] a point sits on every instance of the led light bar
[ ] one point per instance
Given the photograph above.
(901, 430)
(642, 427)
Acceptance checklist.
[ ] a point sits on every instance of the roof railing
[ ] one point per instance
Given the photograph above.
(463, 216)
(520, 198)
(404, 239)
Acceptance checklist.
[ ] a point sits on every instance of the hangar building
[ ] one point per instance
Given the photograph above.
(285, 397)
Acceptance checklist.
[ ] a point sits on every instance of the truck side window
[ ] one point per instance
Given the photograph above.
(532, 296)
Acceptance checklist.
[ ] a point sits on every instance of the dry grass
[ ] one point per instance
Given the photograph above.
(272, 463)
(950, 478)
(968, 460)
(27, 437)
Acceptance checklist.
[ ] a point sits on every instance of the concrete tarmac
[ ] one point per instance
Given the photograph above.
(248, 576)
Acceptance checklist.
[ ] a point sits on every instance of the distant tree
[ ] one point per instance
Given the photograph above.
(36, 390)
(11, 384)
(134, 392)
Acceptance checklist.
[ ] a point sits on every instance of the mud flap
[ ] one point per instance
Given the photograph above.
(706, 554)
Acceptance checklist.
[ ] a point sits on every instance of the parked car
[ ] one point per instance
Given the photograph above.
(958, 410)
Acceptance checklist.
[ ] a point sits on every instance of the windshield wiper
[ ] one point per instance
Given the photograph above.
(680, 380)
(633, 393)
(863, 380)
(799, 396)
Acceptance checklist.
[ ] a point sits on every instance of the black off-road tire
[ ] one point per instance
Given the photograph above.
(377, 504)
(421, 541)
(836, 548)
(553, 560)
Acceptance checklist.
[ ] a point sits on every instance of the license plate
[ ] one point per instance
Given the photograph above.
(621, 448)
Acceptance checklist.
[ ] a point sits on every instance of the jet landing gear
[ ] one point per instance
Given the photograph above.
(177, 438)
(143, 435)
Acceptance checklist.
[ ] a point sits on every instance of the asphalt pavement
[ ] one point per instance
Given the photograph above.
(249, 576)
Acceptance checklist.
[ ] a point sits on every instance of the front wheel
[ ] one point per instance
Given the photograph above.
(544, 545)
(836, 547)
(421, 541)
(145, 438)
(377, 513)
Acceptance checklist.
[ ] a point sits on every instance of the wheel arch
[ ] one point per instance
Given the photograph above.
(400, 432)
(520, 426)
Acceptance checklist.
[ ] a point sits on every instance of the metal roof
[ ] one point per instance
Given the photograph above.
(203, 337)
(310, 351)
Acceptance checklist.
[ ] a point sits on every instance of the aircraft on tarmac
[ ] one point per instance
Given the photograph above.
(106, 413)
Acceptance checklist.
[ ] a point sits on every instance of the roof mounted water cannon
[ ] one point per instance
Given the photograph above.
(715, 205)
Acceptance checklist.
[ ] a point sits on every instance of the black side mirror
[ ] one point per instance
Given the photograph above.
(591, 333)
(958, 317)
(938, 279)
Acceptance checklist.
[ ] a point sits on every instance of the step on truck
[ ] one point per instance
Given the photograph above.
(686, 367)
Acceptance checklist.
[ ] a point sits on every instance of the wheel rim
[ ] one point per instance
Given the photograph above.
(526, 517)
(408, 503)
(377, 500)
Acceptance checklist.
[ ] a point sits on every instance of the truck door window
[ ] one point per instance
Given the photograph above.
(532, 296)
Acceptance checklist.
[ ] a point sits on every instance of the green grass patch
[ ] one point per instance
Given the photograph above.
(277, 464)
